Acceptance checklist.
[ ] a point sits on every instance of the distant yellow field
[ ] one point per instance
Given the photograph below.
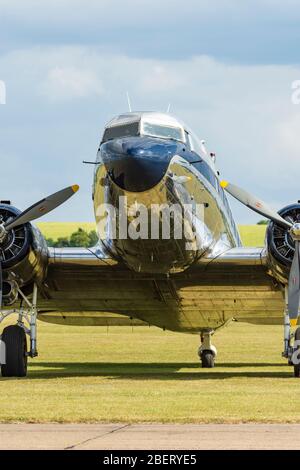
(252, 235)
(63, 229)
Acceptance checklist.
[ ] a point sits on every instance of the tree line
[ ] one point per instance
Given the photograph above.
(87, 239)
(79, 238)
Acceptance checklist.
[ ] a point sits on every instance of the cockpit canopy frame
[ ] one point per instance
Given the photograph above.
(150, 124)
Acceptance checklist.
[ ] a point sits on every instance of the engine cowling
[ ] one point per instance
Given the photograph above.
(280, 244)
(23, 254)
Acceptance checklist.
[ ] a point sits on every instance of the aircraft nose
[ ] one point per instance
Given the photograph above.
(139, 164)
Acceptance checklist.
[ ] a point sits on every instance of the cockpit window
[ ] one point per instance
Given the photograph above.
(131, 129)
(164, 132)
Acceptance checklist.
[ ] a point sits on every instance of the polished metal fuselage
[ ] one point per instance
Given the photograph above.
(160, 282)
(210, 229)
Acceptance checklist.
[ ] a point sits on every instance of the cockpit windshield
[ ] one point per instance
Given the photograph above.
(123, 130)
(159, 125)
(164, 132)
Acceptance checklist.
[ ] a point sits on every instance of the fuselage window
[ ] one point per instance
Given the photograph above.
(123, 130)
(164, 132)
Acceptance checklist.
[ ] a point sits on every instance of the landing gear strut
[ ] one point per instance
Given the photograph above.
(297, 353)
(291, 350)
(13, 357)
(207, 351)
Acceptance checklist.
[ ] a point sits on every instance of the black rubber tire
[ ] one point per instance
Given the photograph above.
(297, 366)
(207, 359)
(297, 370)
(14, 338)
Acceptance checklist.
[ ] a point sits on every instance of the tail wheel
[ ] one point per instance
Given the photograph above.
(207, 359)
(14, 339)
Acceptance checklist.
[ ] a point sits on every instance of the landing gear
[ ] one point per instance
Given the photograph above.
(291, 350)
(13, 357)
(207, 351)
(297, 353)
(15, 352)
(207, 359)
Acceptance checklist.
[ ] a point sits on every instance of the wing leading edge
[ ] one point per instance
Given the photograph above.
(86, 286)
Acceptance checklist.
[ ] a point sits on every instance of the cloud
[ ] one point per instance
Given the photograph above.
(256, 32)
(71, 82)
(160, 79)
(288, 136)
(244, 113)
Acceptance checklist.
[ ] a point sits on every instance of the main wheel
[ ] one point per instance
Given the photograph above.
(297, 366)
(207, 359)
(14, 339)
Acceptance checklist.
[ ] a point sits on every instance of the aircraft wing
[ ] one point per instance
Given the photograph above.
(85, 286)
(234, 284)
(88, 287)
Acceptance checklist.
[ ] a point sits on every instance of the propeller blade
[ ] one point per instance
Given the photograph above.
(254, 203)
(42, 207)
(294, 286)
(1, 285)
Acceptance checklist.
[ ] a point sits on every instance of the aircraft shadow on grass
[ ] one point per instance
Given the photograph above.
(154, 371)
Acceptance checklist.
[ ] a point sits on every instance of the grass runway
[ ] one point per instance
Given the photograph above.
(147, 375)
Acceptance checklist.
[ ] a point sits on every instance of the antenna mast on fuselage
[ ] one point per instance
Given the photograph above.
(128, 101)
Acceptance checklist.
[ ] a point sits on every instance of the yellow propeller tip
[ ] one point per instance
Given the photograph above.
(75, 188)
(224, 184)
(293, 321)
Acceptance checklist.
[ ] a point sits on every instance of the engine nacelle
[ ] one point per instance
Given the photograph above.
(280, 244)
(23, 254)
(9, 292)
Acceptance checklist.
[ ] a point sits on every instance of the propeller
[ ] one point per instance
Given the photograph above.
(263, 209)
(1, 283)
(40, 208)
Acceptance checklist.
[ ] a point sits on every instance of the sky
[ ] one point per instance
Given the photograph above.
(226, 66)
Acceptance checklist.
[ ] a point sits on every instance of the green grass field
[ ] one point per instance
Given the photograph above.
(252, 235)
(147, 375)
